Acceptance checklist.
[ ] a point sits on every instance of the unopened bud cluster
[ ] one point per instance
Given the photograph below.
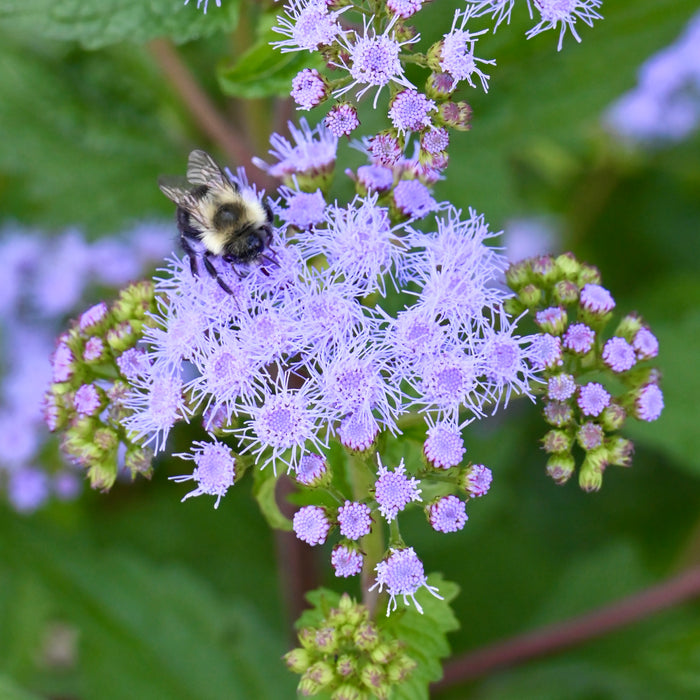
(594, 379)
(89, 380)
(348, 657)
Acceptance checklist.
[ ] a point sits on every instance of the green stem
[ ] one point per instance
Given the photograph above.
(362, 478)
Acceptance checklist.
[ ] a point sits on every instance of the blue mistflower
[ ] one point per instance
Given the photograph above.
(373, 60)
(354, 520)
(649, 402)
(447, 514)
(457, 53)
(215, 469)
(402, 574)
(394, 490)
(444, 446)
(314, 151)
(308, 26)
(308, 88)
(409, 111)
(358, 242)
(566, 13)
(478, 480)
(304, 209)
(311, 525)
(413, 199)
(593, 399)
(346, 561)
(87, 400)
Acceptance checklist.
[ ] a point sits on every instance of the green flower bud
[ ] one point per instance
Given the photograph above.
(589, 274)
(321, 674)
(590, 476)
(628, 326)
(544, 269)
(382, 654)
(139, 460)
(518, 275)
(400, 668)
(346, 665)
(513, 306)
(556, 442)
(613, 417)
(366, 637)
(568, 267)
(620, 451)
(530, 296)
(122, 337)
(103, 474)
(348, 692)
(565, 292)
(560, 467)
(297, 660)
(440, 86)
(456, 115)
(373, 677)
(326, 641)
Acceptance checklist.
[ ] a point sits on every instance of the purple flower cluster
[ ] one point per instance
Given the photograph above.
(44, 278)
(572, 309)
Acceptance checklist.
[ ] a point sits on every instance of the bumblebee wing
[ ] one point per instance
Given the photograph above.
(203, 170)
(175, 189)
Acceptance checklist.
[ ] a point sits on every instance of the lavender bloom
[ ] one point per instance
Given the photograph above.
(314, 152)
(499, 10)
(304, 209)
(308, 26)
(394, 490)
(354, 520)
(375, 177)
(619, 355)
(402, 573)
(478, 481)
(311, 525)
(156, 403)
(311, 470)
(555, 12)
(593, 399)
(341, 120)
(444, 446)
(404, 8)
(561, 387)
(409, 111)
(346, 561)
(87, 400)
(457, 52)
(579, 338)
(215, 470)
(649, 403)
(373, 60)
(413, 199)
(545, 351)
(448, 514)
(596, 299)
(645, 344)
(308, 88)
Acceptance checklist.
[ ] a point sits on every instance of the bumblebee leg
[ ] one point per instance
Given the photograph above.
(209, 266)
(191, 255)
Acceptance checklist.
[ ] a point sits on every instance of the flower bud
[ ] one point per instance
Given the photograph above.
(568, 266)
(556, 442)
(440, 86)
(613, 417)
(320, 674)
(590, 476)
(552, 320)
(565, 292)
(560, 467)
(589, 274)
(456, 115)
(620, 451)
(346, 665)
(530, 296)
(544, 269)
(297, 660)
(373, 677)
(518, 275)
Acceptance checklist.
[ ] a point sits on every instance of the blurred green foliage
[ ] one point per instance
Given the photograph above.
(132, 594)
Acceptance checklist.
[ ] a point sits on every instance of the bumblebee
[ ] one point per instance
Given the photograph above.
(216, 219)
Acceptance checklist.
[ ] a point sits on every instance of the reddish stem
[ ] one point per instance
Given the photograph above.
(558, 637)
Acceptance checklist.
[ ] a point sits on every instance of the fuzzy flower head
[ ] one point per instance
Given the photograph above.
(354, 520)
(313, 151)
(404, 8)
(308, 88)
(341, 120)
(564, 13)
(478, 480)
(311, 525)
(394, 490)
(457, 52)
(409, 111)
(444, 446)
(214, 472)
(447, 514)
(402, 574)
(307, 26)
(374, 60)
(358, 242)
(346, 561)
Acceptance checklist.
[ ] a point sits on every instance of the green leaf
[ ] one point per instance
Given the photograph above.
(264, 492)
(149, 630)
(425, 636)
(10, 691)
(98, 23)
(264, 71)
